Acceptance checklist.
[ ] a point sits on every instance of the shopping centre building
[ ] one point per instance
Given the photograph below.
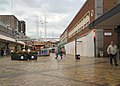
(83, 36)
(10, 28)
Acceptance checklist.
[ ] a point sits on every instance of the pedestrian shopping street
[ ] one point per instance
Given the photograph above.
(48, 71)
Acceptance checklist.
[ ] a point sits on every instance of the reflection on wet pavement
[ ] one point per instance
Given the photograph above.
(47, 71)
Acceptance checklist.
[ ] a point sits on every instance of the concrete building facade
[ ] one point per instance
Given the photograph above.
(10, 20)
(9, 24)
(90, 42)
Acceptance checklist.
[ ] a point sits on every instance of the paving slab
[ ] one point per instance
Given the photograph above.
(48, 71)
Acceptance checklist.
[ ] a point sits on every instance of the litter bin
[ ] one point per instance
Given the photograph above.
(78, 56)
(101, 53)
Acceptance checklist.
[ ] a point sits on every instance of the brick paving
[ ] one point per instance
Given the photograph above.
(48, 71)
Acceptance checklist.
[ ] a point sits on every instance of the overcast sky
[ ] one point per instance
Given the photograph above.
(59, 14)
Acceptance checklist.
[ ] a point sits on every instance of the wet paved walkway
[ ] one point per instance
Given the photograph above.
(47, 71)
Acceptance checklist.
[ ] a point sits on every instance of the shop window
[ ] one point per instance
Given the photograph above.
(82, 27)
(88, 23)
(85, 25)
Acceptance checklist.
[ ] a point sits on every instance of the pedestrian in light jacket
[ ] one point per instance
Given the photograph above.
(112, 52)
(56, 52)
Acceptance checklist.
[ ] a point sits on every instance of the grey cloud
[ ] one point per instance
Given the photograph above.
(56, 6)
(4, 1)
(4, 5)
(59, 13)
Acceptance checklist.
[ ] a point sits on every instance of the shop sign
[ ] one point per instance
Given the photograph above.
(107, 33)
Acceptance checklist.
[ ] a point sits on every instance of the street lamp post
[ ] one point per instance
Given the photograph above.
(45, 28)
(16, 37)
(7, 44)
(45, 25)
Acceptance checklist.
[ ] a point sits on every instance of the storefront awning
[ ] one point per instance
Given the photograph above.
(9, 39)
(109, 20)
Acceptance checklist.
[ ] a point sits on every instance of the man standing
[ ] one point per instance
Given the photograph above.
(112, 52)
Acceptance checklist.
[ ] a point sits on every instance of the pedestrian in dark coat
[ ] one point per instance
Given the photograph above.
(2, 52)
(60, 52)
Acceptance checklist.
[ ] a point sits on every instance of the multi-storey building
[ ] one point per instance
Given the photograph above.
(22, 27)
(8, 26)
(13, 22)
(91, 42)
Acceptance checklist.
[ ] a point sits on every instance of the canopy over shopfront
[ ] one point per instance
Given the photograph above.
(109, 20)
(9, 39)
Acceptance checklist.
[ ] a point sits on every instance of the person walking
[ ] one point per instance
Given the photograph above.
(56, 52)
(2, 52)
(60, 52)
(112, 52)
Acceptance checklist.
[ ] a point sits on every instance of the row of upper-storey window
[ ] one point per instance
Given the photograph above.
(6, 26)
(63, 37)
(2, 24)
(81, 24)
(4, 30)
(63, 40)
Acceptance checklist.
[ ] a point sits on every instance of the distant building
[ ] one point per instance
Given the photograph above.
(13, 22)
(10, 31)
(92, 42)
(47, 44)
(22, 27)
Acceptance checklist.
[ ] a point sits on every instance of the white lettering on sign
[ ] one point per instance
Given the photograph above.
(107, 33)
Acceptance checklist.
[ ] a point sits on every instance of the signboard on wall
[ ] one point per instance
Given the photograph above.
(108, 33)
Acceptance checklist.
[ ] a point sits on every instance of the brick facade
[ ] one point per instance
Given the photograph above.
(88, 6)
(109, 4)
(92, 9)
